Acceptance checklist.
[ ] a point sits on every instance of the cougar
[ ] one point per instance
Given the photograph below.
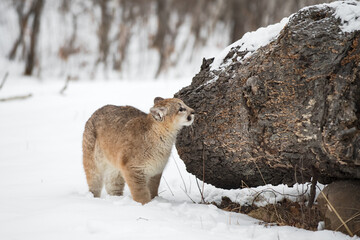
(123, 144)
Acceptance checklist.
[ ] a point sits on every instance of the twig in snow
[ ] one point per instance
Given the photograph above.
(179, 172)
(168, 186)
(201, 192)
(203, 180)
(62, 91)
(187, 195)
(21, 97)
(270, 190)
(4, 80)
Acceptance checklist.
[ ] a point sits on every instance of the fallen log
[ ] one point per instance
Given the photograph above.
(278, 112)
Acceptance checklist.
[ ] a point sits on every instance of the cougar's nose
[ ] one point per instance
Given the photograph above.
(191, 115)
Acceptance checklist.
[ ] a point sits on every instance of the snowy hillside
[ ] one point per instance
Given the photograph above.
(44, 193)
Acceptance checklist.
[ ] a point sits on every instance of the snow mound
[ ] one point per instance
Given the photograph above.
(251, 41)
(349, 14)
(347, 11)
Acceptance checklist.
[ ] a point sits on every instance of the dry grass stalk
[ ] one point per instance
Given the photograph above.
(337, 215)
(350, 219)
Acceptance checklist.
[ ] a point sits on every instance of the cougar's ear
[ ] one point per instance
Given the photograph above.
(158, 99)
(158, 113)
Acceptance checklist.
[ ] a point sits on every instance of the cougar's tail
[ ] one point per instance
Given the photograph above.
(88, 147)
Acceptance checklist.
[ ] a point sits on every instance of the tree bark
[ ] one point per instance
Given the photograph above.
(292, 106)
(23, 19)
(31, 56)
(103, 31)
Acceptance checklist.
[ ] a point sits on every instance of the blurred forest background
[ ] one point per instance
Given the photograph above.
(126, 39)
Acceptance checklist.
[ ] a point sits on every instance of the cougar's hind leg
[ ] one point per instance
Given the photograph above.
(94, 175)
(114, 182)
(95, 183)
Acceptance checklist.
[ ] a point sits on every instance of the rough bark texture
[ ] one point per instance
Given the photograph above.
(291, 107)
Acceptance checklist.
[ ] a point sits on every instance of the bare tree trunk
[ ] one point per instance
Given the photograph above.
(31, 57)
(103, 31)
(22, 18)
(163, 30)
(237, 28)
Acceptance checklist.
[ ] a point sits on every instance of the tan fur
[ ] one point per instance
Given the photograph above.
(124, 144)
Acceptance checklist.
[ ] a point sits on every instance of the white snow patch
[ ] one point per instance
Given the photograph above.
(349, 13)
(214, 79)
(251, 41)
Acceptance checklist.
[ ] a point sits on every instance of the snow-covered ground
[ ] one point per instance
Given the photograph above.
(43, 189)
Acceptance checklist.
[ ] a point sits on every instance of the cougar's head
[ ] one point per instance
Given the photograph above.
(173, 110)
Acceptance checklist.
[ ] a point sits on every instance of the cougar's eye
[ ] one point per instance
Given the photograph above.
(182, 109)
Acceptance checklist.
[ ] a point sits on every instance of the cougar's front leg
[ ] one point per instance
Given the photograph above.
(154, 185)
(137, 182)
